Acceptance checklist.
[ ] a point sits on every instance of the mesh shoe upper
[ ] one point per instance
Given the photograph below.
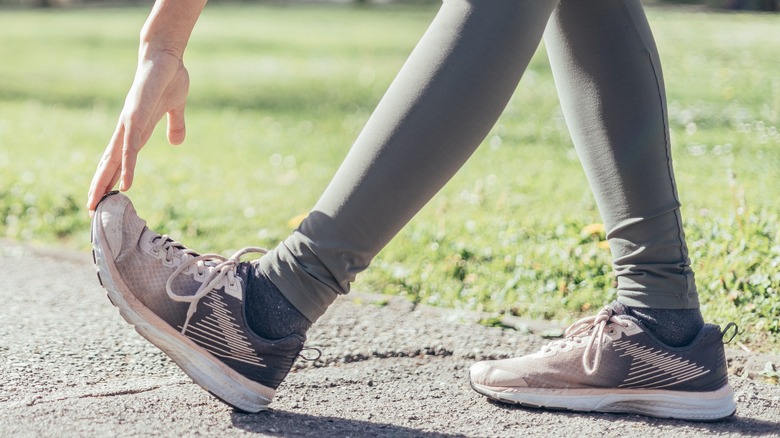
(612, 350)
(201, 297)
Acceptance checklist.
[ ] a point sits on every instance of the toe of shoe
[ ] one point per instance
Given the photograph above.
(113, 226)
(490, 373)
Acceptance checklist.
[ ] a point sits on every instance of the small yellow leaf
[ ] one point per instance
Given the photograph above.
(296, 220)
(604, 244)
(592, 229)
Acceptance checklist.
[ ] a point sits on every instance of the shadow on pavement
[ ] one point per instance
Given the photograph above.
(290, 424)
(734, 424)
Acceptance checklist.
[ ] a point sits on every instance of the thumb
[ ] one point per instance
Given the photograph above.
(176, 126)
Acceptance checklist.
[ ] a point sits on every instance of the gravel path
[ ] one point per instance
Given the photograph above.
(70, 366)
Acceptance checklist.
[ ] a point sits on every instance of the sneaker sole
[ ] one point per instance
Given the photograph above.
(694, 406)
(201, 366)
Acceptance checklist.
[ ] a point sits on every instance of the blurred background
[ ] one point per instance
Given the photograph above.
(743, 5)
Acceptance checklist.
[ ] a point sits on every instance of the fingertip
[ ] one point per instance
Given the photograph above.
(177, 137)
(90, 206)
(126, 182)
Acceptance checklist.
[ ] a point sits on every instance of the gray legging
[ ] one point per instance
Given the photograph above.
(443, 103)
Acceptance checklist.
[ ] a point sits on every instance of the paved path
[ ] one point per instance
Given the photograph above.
(70, 366)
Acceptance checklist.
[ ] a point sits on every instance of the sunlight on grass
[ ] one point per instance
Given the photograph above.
(279, 94)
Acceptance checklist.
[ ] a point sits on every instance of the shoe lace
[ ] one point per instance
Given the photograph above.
(171, 248)
(218, 271)
(595, 325)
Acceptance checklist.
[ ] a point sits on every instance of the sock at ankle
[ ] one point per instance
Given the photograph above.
(673, 327)
(269, 314)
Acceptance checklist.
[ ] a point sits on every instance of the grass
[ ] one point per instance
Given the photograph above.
(278, 95)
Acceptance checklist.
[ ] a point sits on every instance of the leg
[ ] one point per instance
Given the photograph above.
(620, 360)
(437, 111)
(220, 319)
(608, 74)
(609, 78)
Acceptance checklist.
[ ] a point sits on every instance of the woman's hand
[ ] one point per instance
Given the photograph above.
(160, 87)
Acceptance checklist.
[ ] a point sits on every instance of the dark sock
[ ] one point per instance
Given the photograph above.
(673, 327)
(268, 313)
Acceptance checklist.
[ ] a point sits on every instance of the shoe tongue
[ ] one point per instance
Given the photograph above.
(244, 271)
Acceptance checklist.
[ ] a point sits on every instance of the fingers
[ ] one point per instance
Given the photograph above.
(176, 126)
(158, 88)
(102, 182)
(107, 172)
(118, 163)
(132, 143)
(97, 196)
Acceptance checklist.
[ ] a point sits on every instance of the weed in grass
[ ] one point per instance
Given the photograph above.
(771, 374)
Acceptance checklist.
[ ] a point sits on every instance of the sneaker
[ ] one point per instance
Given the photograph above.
(611, 363)
(190, 306)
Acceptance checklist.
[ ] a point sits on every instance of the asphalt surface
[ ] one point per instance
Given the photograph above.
(71, 366)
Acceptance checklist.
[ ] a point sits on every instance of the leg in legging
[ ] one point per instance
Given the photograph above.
(609, 79)
(438, 110)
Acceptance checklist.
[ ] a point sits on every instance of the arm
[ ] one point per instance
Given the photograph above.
(160, 87)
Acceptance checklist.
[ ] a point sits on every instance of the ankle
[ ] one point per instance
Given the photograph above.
(674, 327)
(268, 313)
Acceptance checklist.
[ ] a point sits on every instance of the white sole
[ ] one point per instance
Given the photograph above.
(695, 406)
(201, 366)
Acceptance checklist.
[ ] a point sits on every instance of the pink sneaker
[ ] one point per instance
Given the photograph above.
(190, 306)
(611, 363)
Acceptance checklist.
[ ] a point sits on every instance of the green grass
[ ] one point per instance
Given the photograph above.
(278, 95)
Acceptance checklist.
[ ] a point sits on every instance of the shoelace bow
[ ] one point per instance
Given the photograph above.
(216, 270)
(596, 325)
(215, 274)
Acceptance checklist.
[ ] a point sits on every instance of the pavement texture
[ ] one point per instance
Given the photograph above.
(71, 366)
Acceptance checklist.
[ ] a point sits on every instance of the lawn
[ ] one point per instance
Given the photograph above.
(278, 95)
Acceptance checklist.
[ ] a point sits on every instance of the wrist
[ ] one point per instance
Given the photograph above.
(168, 28)
(155, 51)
